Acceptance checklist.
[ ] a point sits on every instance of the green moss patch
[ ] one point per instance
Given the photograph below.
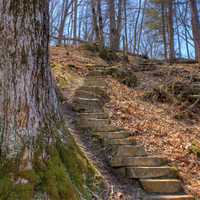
(59, 169)
(195, 148)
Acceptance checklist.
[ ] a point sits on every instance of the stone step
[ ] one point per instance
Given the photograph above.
(116, 134)
(86, 100)
(124, 141)
(93, 115)
(91, 87)
(147, 161)
(94, 82)
(107, 129)
(165, 186)
(93, 123)
(151, 172)
(99, 94)
(97, 72)
(87, 105)
(169, 197)
(86, 94)
(128, 150)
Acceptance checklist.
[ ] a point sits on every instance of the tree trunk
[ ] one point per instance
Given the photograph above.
(178, 31)
(27, 83)
(38, 157)
(164, 29)
(95, 21)
(75, 7)
(136, 26)
(171, 31)
(65, 8)
(141, 26)
(100, 18)
(112, 20)
(195, 28)
(125, 26)
(115, 23)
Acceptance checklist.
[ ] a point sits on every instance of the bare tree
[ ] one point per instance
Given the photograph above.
(195, 28)
(171, 30)
(115, 20)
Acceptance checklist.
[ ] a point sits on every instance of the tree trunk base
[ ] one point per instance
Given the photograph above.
(58, 171)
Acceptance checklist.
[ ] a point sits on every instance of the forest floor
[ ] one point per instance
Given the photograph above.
(163, 127)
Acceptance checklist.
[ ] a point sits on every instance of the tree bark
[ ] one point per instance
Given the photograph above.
(100, 18)
(195, 28)
(136, 27)
(75, 8)
(95, 21)
(141, 26)
(115, 23)
(65, 9)
(164, 29)
(27, 84)
(171, 31)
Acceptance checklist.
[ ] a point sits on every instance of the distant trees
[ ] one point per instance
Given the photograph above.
(159, 28)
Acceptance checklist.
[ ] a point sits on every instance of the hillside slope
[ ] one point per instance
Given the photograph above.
(166, 123)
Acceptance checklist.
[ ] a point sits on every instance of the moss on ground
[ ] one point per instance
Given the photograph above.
(65, 76)
(195, 148)
(59, 170)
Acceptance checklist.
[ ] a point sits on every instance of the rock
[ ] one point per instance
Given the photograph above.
(116, 134)
(147, 161)
(95, 83)
(128, 150)
(169, 197)
(93, 115)
(123, 141)
(91, 105)
(93, 123)
(167, 186)
(151, 172)
(98, 94)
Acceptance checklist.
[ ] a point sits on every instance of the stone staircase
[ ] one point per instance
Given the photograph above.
(125, 156)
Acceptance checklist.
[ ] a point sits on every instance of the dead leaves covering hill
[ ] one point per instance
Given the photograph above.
(156, 129)
(153, 122)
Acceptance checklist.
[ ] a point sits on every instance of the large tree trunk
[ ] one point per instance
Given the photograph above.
(38, 157)
(195, 28)
(27, 83)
